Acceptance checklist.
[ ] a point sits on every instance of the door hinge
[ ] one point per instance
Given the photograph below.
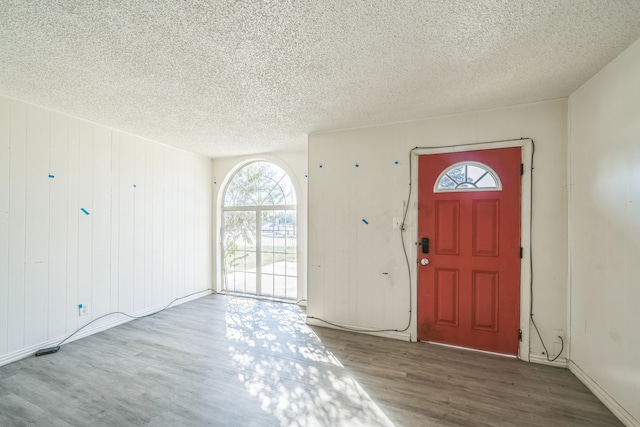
(521, 169)
(521, 252)
(520, 335)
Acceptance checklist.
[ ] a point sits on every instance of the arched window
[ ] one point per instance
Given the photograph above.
(468, 176)
(259, 232)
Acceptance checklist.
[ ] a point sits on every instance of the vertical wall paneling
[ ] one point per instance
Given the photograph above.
(367, 306)
(180, 232)
(203, 231)
(73, 221)
(87, 213)
(92, 216)
(208, 266)
(139, 226)
(37, 226)
(115, 220)
(101, 222)
(189, 235)
(168, 267)
(157, 274)
(198, 230)
(58, 179)
(17, 224)
(148, 226)
(126, 224)
(5, 174)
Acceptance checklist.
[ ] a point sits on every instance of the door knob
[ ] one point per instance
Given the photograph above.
(424, 261)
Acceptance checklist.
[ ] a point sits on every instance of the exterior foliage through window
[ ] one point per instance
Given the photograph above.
(468, 176)
(259, 232)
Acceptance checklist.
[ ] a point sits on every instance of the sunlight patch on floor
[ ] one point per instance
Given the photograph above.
(276, 376)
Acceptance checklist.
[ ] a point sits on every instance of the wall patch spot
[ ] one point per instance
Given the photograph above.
(86, 212)
(365, 221)
(51, 176)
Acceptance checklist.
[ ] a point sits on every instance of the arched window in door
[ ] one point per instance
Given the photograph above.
(259, 244)
(468, 176)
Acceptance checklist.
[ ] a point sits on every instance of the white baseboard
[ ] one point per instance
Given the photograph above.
(404, 336)
(99, 326)
(623, 415)
(560, 362)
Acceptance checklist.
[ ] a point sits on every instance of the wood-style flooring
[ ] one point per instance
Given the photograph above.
(231, 361)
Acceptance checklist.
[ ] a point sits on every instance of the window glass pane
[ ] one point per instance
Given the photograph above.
(239, 239)
(487, 182)
(259, 232)
(474, 173)
(260, 184)
(446, 182)
(457, 174)
(467, 176)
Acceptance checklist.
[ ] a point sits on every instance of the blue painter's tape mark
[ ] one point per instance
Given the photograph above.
(51, 176)
(86, 212)
(365, 221)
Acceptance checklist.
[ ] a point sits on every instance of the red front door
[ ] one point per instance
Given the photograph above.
(469, 281)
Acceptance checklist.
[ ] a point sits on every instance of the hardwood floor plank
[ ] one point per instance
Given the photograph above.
(232, 361)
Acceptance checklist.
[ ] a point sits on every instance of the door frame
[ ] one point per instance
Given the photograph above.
(526, 144)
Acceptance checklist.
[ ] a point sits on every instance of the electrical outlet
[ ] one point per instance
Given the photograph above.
(83, 309)
(397, 223)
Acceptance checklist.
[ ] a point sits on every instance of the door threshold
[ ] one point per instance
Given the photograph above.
(510, 356)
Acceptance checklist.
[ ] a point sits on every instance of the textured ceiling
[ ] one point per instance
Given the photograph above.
(237, 77)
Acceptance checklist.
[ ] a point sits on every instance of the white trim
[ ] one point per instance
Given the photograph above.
(569, 193)
(99, 326)
(404, 336)
(525, 228)
(622, 414)
(560, 362)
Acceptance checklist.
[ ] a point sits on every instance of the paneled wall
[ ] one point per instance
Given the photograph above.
(93, 216)
(357, 269)
(604, 234)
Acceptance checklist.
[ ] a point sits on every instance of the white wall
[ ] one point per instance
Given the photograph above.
(138, 249)
(348, 259)
(292, 162)
(604, 234)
